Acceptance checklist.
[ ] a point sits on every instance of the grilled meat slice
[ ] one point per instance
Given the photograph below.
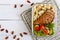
(46, 18)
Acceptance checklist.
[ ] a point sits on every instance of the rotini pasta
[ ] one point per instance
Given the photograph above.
(39, 9)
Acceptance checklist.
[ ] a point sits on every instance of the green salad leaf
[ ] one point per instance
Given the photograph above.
(39, 33)
(50, 25)
(35, 32)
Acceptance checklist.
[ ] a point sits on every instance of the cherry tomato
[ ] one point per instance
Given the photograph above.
(45, 31)
(36, 28)
(42, 27)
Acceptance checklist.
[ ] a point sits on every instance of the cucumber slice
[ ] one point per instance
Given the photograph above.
(51, 32)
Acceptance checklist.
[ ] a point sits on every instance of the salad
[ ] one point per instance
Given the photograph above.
(43, 19)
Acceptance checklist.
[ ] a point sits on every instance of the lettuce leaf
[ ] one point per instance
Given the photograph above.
(50, 25)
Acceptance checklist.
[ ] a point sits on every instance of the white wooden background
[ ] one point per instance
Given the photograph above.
(9, 12)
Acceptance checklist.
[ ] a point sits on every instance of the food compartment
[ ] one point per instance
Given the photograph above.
(43, 19)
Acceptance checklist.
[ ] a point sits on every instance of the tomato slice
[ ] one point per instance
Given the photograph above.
(42, 27)
(36, 28)
(45, 32)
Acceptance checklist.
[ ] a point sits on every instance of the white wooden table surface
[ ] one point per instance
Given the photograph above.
(9, 12)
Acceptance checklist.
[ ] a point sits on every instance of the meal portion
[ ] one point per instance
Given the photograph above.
(43, 19)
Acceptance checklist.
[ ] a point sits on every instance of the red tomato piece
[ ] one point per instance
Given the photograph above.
(45, 32)
(42, 27)
(36, 28)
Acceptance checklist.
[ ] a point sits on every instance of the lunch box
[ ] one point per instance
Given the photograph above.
(54, 21)
(28, 21)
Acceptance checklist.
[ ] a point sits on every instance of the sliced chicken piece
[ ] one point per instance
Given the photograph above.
(46, 18)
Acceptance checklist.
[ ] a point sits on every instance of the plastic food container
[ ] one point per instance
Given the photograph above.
(56, 21)
(42, 25)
